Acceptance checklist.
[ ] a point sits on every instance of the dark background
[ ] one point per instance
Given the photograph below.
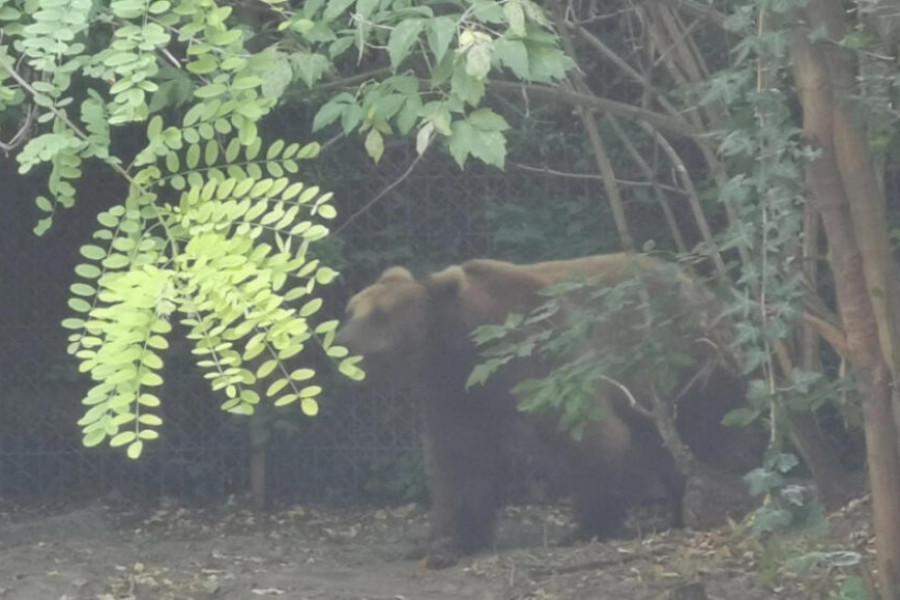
(364, 444)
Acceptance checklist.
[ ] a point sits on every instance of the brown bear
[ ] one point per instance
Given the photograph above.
(418, 331)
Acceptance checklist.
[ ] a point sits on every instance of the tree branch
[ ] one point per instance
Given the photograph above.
(604, 105)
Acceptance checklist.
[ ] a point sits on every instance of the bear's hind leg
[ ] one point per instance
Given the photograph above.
(601, 504)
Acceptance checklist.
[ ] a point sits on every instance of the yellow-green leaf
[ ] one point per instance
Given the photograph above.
(135, 449)
(309, 407)
(303, 374)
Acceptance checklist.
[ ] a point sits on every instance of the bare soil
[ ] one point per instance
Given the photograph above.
(169, 552)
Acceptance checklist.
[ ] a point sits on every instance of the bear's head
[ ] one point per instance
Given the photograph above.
(387, 323)
(391, 322)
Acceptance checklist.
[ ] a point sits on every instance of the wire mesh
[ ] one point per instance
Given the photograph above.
(436, 216)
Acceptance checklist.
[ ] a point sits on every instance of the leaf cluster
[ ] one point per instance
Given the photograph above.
(790, 506)
(219, 261)
(440, 60)
(215, 233)
(597, 336)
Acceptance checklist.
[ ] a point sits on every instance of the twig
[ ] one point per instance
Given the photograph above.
(651, 180)
(657, 120)
(701, 10)
(590, 565)
(570, 175)
(632, 401)
(617, 60)
(61, 115)
(22, 133)
(693, 198)
(339, 83)
(381, 194)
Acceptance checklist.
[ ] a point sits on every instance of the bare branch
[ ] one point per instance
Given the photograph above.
(604, 105)
(701, 11)
(569, 175)
(381, 194)
(651, 180)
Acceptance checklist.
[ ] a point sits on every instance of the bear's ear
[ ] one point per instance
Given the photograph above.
(396, 275)
(447, 283)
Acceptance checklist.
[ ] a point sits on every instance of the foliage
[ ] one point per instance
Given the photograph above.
(617, 335)
(565, 228)
(212, 229)
(457, 46)
(789, 506)
(403, 477)
(801, 391)
(851, 588)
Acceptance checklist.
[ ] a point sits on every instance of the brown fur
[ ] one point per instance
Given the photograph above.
(417, 331)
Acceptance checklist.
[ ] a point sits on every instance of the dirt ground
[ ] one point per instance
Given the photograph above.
(312, 553)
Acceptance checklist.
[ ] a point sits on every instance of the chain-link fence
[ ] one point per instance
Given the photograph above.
(363, 442)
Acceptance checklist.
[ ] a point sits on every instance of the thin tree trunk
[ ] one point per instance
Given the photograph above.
(813, 71)
(831, 479)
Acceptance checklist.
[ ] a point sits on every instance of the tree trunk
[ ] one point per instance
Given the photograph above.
(821, 82)
(258, 477)
(832, 480)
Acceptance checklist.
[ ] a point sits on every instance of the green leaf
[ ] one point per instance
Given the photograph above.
(92, 252)
(740, 417)
(73, 323)
(302, 374)
(441, 32)
(192, 159)
(205, 63)
(266, 368)
(547, 62)
(513, 55)
(116, 261)
(309, 407)
(365, 7)
(211, 90)
(135, 449)
(402, 38)
(82, 289)
(43, 226)
(247, 82)
(488, 146)
(120, 439)
(466, 87)
(349, 369)
(337, 352)
(79, 305)
(335, 9)
(515, 16)
(310, 67)
(286, 399)
(276, 386)
(8, 13)
(311, 307)
(488, 11)
(154, 128)
(150, 419)
(43, 204)
(158, 342)
(88, 271)
(148, 400)
(485, 119)
(94, 438)
(211, 154)
(375, 144)
(478, 60)
(149, 378)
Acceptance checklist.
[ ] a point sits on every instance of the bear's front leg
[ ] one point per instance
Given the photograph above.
(464, 458)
